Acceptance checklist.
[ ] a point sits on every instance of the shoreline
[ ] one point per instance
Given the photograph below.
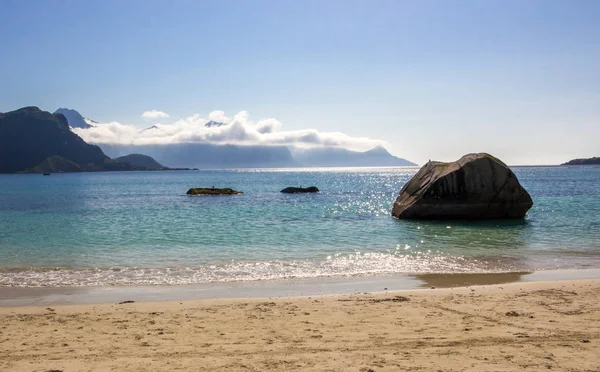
(521, 325)
(280, 288)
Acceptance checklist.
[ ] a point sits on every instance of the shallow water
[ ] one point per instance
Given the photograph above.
(140, 228)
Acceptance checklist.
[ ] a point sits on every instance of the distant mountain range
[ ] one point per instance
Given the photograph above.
(209, 156)
(336, 157)
(32, 140)
(205, 155)
(588, 161)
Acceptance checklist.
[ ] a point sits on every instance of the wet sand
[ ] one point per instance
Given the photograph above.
(501, 327)
(51, 296)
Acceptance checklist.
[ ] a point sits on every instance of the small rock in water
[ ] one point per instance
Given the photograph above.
(299, 190)
(212, 191)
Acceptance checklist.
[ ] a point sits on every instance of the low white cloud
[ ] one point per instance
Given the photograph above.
(218, 116)
(154, 115)
(238, 130)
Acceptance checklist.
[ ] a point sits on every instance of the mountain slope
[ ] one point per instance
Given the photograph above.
(336, 157)
(54, 164)
(32, 140)
(141, 161)
(74, 118)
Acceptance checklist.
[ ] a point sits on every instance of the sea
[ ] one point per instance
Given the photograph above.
(140, 228)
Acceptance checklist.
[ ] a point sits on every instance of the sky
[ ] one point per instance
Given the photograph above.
(428, 79)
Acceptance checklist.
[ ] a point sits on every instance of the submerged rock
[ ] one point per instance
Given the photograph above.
(477, 186)
(298, 190)
(212, 191)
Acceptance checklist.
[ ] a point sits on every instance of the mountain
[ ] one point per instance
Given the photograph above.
(212, 124)
(32, 140)
(337, 157)
(149, 128)
(212, 156)
(209, 156)
(588, 161)
(141, 161)
(74, 118)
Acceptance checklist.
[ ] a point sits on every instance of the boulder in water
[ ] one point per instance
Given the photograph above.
(298, 190)
(212, 191)
(477, 186)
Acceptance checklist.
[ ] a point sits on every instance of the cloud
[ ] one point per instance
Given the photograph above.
(219, 117)
(154, 115)
(238, 130)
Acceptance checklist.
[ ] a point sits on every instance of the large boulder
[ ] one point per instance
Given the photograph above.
(477, 186)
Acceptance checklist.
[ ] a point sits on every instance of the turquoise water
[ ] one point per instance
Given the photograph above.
(140, 227)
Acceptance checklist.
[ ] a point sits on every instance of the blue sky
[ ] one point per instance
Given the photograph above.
(434, 79)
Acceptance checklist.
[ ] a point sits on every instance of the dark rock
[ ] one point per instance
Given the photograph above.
(212, 191)
(477, 186)
(297, 190)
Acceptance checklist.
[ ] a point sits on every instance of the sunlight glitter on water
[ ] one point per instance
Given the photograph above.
(336, 265)
(140, 228)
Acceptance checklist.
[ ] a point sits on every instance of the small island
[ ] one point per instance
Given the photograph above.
(212, 191)
(589, 161)
(145, 162)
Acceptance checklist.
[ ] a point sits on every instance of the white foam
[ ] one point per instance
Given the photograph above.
(336, 265)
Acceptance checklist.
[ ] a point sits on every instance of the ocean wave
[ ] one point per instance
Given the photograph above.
(355, 264)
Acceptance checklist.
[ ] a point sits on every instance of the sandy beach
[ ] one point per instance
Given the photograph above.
(533, 326)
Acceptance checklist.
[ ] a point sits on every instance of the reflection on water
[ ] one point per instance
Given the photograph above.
(466, 237)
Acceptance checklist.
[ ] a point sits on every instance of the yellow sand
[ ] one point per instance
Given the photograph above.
(531, 326)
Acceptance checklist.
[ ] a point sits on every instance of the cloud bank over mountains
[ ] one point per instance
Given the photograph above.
(218, 128)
